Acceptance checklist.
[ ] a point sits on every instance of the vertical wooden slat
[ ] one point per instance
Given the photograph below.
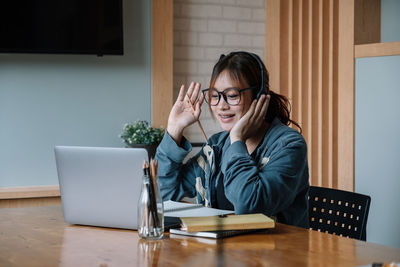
(297, 60)
(299, 65)
(286, 48)
(330, 97)
(315, 101)
(272, 43)
(162, 61)
(319, 92)
(335, 99)
(294, 20)
(325, 90)
(327, 93)
(346, 95)
(284, 53)
(307, 77)
(290, 50)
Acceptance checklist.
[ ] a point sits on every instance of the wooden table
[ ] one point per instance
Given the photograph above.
(38, 236)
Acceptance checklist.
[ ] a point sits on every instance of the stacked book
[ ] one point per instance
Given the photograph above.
(196, 221)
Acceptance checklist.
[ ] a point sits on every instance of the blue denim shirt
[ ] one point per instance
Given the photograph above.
(272, 180)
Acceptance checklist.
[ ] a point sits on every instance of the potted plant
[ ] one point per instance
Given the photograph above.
(141, 134)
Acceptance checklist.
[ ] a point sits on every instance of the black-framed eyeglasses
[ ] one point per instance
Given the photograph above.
(232, 96)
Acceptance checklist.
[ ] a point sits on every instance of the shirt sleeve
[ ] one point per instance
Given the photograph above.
(176, 179)
(270, 189)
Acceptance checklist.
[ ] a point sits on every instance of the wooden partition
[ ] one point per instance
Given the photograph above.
(310, 57)
(377, 49)
(162, 61)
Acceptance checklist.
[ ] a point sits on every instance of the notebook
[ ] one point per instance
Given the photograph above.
(213, 234)
(227, 222)
(180, 209)
(100, 186)
(170, 205)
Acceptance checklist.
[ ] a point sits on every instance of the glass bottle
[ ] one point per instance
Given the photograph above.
(150, 209)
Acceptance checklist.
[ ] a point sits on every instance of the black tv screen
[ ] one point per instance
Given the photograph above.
(61, 26)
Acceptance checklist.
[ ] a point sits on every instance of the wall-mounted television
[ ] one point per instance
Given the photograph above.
(61, 27)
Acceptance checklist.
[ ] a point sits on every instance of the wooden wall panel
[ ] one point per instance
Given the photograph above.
(285, 81)
(367, 20)
(316, 73)
(29, 196)
(30, 202)
(316, 140)
(296, 59)
(272, 47)
(377, 50)
(162, 61)
(29, 191)
(345, 89)
(335, 99)
(307, 74)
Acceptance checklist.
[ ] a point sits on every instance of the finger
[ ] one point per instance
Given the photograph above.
(259, 105)
(190, 90)
(256, 111)
(260, 112)
(201, 99)
(195, 94)
(190, 104)
(198, 110)
(181, 94)
(250, 112)
(264, 107)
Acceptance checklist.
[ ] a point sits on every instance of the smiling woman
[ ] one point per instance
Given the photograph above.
(256, 164)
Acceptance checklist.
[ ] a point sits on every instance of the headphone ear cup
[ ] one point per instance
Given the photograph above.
(262, 89)
(260, 92)
(265, 90)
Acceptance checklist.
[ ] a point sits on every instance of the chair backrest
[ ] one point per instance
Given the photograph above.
(338, 212)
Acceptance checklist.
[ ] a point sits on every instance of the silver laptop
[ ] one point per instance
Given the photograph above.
(100, 186)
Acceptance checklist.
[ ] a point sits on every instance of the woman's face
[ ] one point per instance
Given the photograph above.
(226, 114)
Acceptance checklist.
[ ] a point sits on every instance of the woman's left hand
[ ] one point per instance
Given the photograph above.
(251, 122)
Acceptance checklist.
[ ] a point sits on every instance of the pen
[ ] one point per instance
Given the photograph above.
(198, 121)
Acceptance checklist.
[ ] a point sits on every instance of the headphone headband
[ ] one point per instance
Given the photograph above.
(262, 89)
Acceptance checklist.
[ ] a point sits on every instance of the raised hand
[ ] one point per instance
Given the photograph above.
(251, 122)
(182, 114)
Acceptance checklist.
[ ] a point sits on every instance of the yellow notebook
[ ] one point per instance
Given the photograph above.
(229, 222)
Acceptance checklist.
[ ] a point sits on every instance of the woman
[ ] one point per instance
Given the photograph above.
(257, 164)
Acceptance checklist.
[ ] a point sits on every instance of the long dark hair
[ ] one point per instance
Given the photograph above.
(243, 66)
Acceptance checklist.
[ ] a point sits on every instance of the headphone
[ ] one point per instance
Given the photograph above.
(263, 89)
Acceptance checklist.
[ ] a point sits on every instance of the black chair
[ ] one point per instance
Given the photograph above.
(338, 212)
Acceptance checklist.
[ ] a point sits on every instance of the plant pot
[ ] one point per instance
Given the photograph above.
(151, 149)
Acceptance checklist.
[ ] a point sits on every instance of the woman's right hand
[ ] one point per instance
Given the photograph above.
(182, 114)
